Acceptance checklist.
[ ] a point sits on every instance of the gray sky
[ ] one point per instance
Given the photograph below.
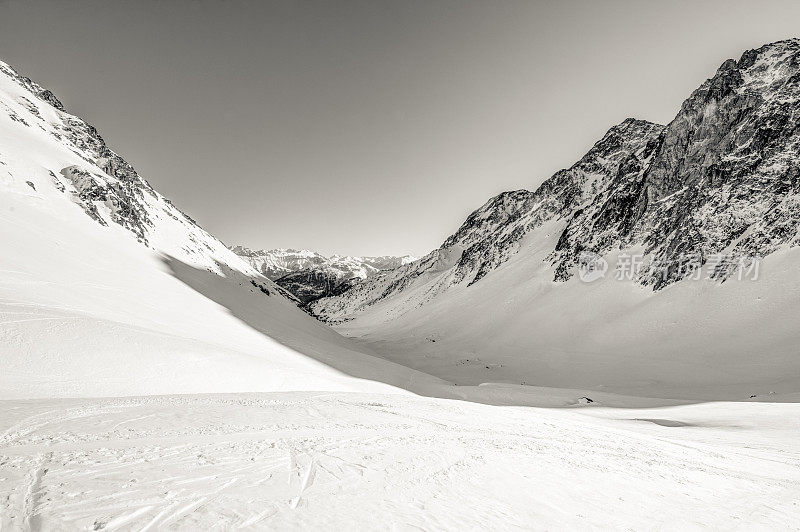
(368, 127)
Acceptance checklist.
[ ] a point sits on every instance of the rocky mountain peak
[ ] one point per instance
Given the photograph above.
(718, 173)
(37, 90)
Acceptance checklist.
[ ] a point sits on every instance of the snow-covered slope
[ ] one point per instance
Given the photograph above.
(308, 275)
(107, 289)
(306, 461)
(703, 197)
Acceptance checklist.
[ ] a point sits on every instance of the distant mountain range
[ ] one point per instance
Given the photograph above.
(309, 275)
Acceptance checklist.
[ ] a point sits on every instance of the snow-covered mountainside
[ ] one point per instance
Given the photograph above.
(108, 289)
(492, 233)
(309, 276)
(712, 195)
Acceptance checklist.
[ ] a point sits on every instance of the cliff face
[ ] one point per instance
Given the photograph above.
(720, 180)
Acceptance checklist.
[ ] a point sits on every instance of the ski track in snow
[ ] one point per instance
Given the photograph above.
(30, 511)
(304, 460)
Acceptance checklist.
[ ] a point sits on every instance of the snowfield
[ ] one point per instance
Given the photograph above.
(320, 461)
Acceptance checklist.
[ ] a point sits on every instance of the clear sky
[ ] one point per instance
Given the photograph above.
(368, 127)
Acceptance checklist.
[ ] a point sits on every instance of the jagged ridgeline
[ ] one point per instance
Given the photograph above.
(123, 196)
(721, 179)
(79, 165)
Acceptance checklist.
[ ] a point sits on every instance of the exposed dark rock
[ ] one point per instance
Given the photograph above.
(121, 199)
(310, 284)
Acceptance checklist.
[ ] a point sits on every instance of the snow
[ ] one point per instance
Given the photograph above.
(86, 310)
(289, 461)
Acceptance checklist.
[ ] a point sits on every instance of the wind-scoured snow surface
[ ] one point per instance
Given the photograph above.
(129, 337)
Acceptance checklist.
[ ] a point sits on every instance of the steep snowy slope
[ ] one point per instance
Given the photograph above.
(107, 289)
(695, 204)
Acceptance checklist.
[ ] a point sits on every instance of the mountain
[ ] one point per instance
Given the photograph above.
(309, 275)
(311, 284)
(491, 234)
(108, 289)
(275, 263)
(714, 195)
